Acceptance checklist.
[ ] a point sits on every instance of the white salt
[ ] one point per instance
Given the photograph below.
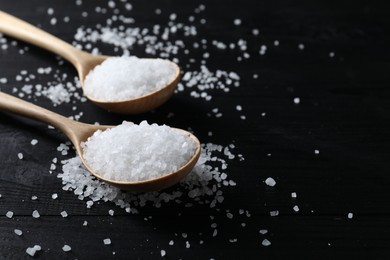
(32, 250)
(316, 151)
(350, 215)
(274, 213)
(20, 156)
(18, 232)
(270, 182)
(36, 214)
(54, 196)
(122, 78)
(107, 241)
(293, 195)
(297, 100)
(296, 208)
(163, 253)
(64, 214)
(263, 231)
(266, 242)
(66, 248)
(131, 152)
(111, 212)
(9, 214)
(34, 141)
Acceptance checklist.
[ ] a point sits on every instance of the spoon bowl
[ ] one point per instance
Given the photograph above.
(78, 132)
(85, 62)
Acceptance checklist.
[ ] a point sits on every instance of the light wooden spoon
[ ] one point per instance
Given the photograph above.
(79, 132)
(85, 62)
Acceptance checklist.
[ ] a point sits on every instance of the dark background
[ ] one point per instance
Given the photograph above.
(344, 113)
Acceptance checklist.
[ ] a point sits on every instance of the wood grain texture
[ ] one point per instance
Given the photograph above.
(344, 113)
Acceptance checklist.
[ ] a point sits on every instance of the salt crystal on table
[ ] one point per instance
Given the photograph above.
(350, 215)
(266, 242)
(107, 241)
(270, 182)
(18, 232)
(131, 152)
(9, 214)
(163, 253)
(122, 78)
(263, 231)
(293, 194)
(20, 156)
(36, 214)
(66, 248)
(296, 208)
(54, 196)
(32, 250)
(111, 212)
(297, 100)
(64, 214)
(34, 141)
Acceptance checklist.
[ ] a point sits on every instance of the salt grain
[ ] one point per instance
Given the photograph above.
(64, 214)
(350, 215)
(153, 151)
(266, 242)
(20, 156)
(163, 253)
(296, 208)
(122, 78)
(107, 241)
(270, 182)
(18, 232)
(263, 231)
(66, 248)
(293, 195)
(9, 214)
(36, 214)
(297, 100)
(34, 141)
(32, 250)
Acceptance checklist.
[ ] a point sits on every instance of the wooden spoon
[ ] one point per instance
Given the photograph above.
(79, 132)
(85, 62)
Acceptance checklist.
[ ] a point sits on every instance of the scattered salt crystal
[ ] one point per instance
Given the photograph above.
(263, 114)
(229, 215)
(163, 253)
(36, 214)
(331, 54)
(157, 151)
(20, 156)
(266, 242)
(274, 213)
(66, 248)
(111, 212)
(255, 32)
(301, 46)
(270, 182)
(9, 214)
(316, 151)
(34, 197)
(237, 22)
(188, 244)
(64, 214)
(276, 43)
(293, 194)
(54, 196)
(32, 250)
(3, 80)
(107, 241)
(350, 215)
(263, 231)
(50, 11)
(85, 223)
(122, 78)
(297, 100)
(171, 243)
(296, 208)
(233, 240)
(18, 232)
(34, 141)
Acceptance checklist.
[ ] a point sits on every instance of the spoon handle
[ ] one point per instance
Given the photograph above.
(24, 31)
(15, 105)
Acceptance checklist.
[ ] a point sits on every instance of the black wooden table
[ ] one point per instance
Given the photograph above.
(331, 148)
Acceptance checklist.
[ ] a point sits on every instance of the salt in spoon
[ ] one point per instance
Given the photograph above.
(78, 132)
(84, 62)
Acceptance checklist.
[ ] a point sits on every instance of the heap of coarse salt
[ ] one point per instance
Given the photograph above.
(130, 152)
(123, 78)
(203, 185)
